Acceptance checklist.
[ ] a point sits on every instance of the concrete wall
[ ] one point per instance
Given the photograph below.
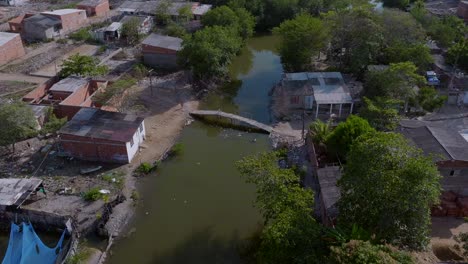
(32, 32)
(42, 220)
(160, 60)
(138, 138)
(11, 50)
(72, 21)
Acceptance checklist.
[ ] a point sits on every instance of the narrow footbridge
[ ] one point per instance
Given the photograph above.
(234, 118)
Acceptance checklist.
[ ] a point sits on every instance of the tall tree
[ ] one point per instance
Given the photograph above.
(162, 12)
(401, 28)
(18, 123)
(237, 18)
(381, 113)
(388, 188)
(398, 82)
(290, 234)
(457, 55)
(346, 133)
(209, 51)
(301, 38)
(419, 54)
(82, 65)
(357, 38)
(131, 31)
(429, 99)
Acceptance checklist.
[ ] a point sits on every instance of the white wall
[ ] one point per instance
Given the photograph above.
(138, 138)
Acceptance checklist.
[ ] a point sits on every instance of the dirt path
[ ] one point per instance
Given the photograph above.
(22, 78)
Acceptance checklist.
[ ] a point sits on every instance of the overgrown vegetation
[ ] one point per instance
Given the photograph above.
(52, 124)
(176, 150)
(82, 65)
(116, 88)
(18, 123)
(94, 194)
(81, 256)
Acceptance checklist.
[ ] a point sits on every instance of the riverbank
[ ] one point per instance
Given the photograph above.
(166, 110)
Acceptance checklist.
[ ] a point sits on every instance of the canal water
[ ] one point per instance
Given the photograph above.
(197, 208)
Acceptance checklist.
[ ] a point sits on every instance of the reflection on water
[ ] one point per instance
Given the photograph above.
(254, 72)
(197, 208)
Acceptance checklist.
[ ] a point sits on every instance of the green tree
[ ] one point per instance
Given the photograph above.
(162, 12)
(419, 54)
(18, 123)
(238, 18)
(131, 31)
(52, 123)
(429, 99)
(356, 39)
(301, 38)
(457, 55)
(290, 235)
(363, 252)
(346, 133)
(320, 131)
(185, 13)
(381, 113)
(401, 28)
(209, 51)
(82, 65)
(175, 30)
(388, 188)
(398, 82)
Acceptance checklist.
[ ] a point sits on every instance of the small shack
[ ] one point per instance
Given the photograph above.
(109, 33)
(11, 47)
(161, 51)
(100, 135)
(145, 23)
(14, 192)
(329, 193)
(94, 7)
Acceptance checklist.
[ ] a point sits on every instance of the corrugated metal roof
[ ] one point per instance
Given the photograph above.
(42, 21)
(69, 84)
(61, 12)
(6, 37)
(161, 41)
(16, 191)
(328, 177)
(95, 123)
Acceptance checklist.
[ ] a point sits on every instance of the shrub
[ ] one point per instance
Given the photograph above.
(81, 35)
(53, 123)
(145, 168)
(176, 150)
(363, 252)
(93, 194)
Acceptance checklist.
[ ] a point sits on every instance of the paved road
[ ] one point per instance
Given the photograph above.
(22, 78)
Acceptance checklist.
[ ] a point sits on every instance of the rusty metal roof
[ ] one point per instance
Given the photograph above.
(16, 191)
(95, 123)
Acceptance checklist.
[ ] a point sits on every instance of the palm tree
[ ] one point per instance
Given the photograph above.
(320, 131)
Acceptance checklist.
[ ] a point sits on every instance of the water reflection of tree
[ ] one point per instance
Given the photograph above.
(223, 98)
(242, 64)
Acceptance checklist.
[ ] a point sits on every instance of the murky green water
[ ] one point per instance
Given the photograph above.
(197, 208)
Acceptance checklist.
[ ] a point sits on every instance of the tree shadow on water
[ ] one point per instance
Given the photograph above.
(202, 247)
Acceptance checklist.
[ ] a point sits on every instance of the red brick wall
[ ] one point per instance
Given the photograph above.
(452, 164)
(11, 50)
(157, 50)
(72, 21)
(462, 10)
(103, 8)
(94, 149)
(78, 97)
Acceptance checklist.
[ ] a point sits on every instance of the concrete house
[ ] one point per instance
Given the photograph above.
(41, 27)
(109, 33)
(11, 47)
(94, 7)
(99, 135)
(145, 23)
(67, 96)
(51, 24)
(323, 93)
(447, 142)
(161, 51)
(17, 24)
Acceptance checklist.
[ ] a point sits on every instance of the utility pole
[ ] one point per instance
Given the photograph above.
(151, 81)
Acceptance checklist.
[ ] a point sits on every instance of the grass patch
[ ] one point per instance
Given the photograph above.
(80, 256)
(147, 168)
(93, 194)
(177, 150)
(117, 178)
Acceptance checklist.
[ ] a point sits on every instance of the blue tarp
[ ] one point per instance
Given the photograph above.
(25, 247)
